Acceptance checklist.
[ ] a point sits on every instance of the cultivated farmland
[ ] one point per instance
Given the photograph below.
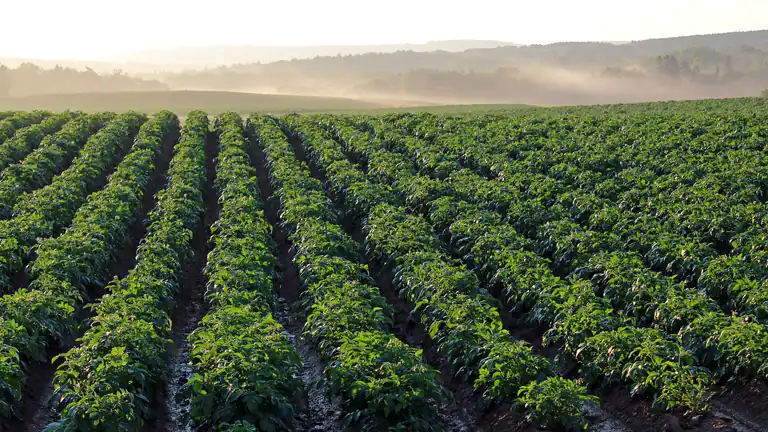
(558, 269)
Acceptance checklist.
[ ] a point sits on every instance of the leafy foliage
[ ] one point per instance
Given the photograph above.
(49, 158)
(45, 312)
(460, 316)
(45, 211)
(384, 383)
(105, 383)
(556, 402)
(246, 370)
(27, 139)
(635, 235)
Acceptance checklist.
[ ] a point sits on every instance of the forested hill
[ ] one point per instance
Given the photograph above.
(719, 65)
(28, 79)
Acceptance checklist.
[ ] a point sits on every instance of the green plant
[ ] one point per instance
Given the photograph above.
(556, 403)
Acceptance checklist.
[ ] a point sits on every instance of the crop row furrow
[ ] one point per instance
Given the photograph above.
(48, 159)
(643, 296)
(11, 124)
(27, 139)
(674, 227)
(711, 337)
(246, 372)
(391, 165)
(105, 383)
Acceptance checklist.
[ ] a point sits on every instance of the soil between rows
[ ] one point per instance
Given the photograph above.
(736, 410)
(739, 409)
(318, 412)
(619, 411)
(168, 409)
(20, 278)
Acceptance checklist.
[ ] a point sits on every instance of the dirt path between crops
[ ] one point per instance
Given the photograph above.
(170, 409)
(318, 412)
(36, 411)
(740, 410)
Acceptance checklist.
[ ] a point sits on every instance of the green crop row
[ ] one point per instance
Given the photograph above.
(710, 337)
(48, 159)
(460, 316)
(688, 195)
(487, 242)
(46, 211)
(11, 124)
(384, 383)
(70, 266)
(105, 382)
(734, 347)
(27, 139)
(246, 372)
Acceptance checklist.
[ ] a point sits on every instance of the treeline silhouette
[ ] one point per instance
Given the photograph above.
(29, 79)
(722, 65)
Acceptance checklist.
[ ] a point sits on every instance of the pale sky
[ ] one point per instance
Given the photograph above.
(98, 29)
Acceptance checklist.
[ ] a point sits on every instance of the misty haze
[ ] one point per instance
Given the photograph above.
(400, 216)
(450, 71)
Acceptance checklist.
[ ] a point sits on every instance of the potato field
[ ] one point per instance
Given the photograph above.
(601, 268)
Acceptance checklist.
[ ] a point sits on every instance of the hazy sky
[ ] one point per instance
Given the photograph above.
(94, 29)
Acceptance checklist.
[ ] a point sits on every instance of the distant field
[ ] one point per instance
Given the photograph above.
(181, 102)
(215, 102)
(451, 109)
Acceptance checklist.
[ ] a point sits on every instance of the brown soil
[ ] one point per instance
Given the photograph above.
(125, 259)
(169, 410)
(18, 280)
(638, 415)
(317, 412)
(289, 286)
(35, 411)
(745, 405)
(741, 411)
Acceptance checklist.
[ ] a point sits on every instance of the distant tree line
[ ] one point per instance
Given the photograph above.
(29, 79)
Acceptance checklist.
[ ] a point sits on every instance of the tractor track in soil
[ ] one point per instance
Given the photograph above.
(35, 409)
(318, 412)
(169, 410)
